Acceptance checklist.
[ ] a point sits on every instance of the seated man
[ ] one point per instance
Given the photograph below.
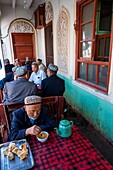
(38, 75)
(8, 78)
(41, 65)
(52, 85)
(30, 119)
(17, 62)
(27, 63)
(8, 66)
(17, 90)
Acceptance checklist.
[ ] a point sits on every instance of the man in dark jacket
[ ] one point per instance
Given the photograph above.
(9, 77)
(8, 66)
(30, 119)
(52, 85)
(17, 90)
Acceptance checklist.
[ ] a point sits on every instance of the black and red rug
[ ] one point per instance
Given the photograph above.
(73, 153)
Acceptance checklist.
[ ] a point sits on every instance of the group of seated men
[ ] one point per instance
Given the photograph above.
(38, 83)
(41, 82)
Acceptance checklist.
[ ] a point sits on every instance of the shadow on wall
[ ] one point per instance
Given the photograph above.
(0, 64)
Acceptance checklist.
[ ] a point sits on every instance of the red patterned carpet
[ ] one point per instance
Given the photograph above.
(73, 153)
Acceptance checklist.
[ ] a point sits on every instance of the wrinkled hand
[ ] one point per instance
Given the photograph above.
(34, 130)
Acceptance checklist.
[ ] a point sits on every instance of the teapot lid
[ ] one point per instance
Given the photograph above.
(64, 122)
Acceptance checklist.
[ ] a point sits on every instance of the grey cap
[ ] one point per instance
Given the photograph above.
(14, 68)
(20, 71)
(6, 60)
(52, 67)
(29, 100)
(35, 63)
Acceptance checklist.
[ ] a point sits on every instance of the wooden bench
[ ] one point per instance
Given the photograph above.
(4, 124)
(1, 96)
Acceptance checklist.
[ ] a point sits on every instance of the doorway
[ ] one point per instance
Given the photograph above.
(23, 46)
(49, 43)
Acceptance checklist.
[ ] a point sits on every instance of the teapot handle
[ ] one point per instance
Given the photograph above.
(71, 123)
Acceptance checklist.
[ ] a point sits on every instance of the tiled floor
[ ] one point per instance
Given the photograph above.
(102, 145)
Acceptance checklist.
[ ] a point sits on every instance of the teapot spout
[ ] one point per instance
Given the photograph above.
(57, 130)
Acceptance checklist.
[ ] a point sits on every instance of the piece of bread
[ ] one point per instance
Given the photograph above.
(19, 153)
(23, 146)
(15, 150)
(11, 146)
(25, 150)
(10, 156)
(5, 151)
(23, 155)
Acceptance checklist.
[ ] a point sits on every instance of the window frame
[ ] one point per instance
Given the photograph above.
(79, 4)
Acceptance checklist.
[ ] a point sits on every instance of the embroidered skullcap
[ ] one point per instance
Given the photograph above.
(20, 71)
(29, 100)
(53, 67)
(14, 68)
(6, 60)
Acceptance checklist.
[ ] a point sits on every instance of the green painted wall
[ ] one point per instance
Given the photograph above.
(97, 111)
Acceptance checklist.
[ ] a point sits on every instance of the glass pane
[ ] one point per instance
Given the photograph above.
(87, 32)
(103, 72)
(105, 15)
(107, 47)
(88, 12)
(86, 49)
(101, 46)
(82, 71)
(92, 73)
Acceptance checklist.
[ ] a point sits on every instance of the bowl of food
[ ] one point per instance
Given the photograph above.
(42, 137)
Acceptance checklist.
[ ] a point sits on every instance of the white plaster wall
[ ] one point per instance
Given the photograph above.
(2, 71)
(41, 45)
(70, 7)
(8, 15)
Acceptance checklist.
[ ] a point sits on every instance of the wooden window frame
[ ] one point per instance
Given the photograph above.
(79, 4)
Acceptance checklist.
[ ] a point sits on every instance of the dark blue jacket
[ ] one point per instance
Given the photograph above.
(52, 86)
(21, 122)
(8, 78)
(8, 68)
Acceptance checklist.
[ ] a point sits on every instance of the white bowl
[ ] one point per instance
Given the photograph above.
(42, 138)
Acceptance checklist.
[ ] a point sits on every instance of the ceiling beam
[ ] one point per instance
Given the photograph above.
(28, 4)
(13, 4)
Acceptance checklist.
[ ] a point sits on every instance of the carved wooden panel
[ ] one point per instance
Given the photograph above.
(48, 12)
(62, 37)
(21, 27)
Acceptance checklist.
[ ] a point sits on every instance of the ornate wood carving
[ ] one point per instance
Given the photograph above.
(21, 27)
(63, 34)
(48, 12)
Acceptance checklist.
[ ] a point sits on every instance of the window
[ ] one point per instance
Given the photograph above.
(93, 42)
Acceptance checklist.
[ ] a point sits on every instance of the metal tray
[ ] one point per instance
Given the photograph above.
(16, 163)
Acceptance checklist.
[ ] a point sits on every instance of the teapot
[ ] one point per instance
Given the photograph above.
(65, 128)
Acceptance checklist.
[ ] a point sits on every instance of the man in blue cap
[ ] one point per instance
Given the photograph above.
(17, 90)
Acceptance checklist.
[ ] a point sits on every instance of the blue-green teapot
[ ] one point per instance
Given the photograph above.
(65, 128)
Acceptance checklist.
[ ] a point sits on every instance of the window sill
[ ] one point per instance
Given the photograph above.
(93, 91)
